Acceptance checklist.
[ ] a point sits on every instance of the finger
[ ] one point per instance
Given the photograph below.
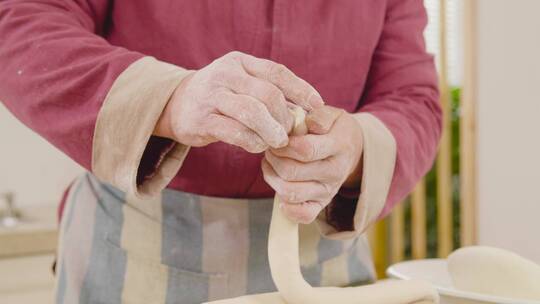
(294, 88)
(323, 171)
(232, 132)
(254, 115)
(303, 213)
(321, 120)
(293, 192)
(264, 91)
(308, 148)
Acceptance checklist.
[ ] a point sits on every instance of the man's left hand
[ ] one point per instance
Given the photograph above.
(310, 170)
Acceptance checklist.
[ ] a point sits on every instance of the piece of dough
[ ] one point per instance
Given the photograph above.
(495, 272)
(283, 255)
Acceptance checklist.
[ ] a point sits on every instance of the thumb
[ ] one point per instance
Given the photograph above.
(302, 213)
(320, 120)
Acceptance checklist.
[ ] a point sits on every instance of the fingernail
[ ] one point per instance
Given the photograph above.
(316, 100)
(261, 145)
(283, 143)
(283, 138)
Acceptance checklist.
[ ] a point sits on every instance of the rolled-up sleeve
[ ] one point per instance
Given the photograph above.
(400, 117)
(96, 102)
(125, 153)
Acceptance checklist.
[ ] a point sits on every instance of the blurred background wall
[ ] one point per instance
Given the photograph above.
(31, 168)
(508, 125)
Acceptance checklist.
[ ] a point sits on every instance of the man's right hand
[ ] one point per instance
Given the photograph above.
(238, 99)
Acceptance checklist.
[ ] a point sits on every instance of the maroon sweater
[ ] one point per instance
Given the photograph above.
(59, 59)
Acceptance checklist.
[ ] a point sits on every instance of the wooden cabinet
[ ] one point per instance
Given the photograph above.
(27, 280)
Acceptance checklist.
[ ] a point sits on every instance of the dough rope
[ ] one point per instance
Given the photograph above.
(283, 255)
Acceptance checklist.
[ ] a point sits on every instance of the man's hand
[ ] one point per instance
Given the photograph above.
(238, 99)
(309, 171)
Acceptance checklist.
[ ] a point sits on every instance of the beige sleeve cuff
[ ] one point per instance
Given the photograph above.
(379, 158)
(125, 124)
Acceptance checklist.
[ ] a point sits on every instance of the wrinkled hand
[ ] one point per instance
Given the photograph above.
(238, 99)
(309, 171)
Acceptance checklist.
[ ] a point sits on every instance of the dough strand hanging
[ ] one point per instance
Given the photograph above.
(283, 255)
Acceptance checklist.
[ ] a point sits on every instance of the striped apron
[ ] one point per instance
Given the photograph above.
(182, 248)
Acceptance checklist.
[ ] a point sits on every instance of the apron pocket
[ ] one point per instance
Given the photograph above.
(148, 280)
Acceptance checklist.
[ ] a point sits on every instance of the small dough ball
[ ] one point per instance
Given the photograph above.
(299, 115)
(494, 271)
